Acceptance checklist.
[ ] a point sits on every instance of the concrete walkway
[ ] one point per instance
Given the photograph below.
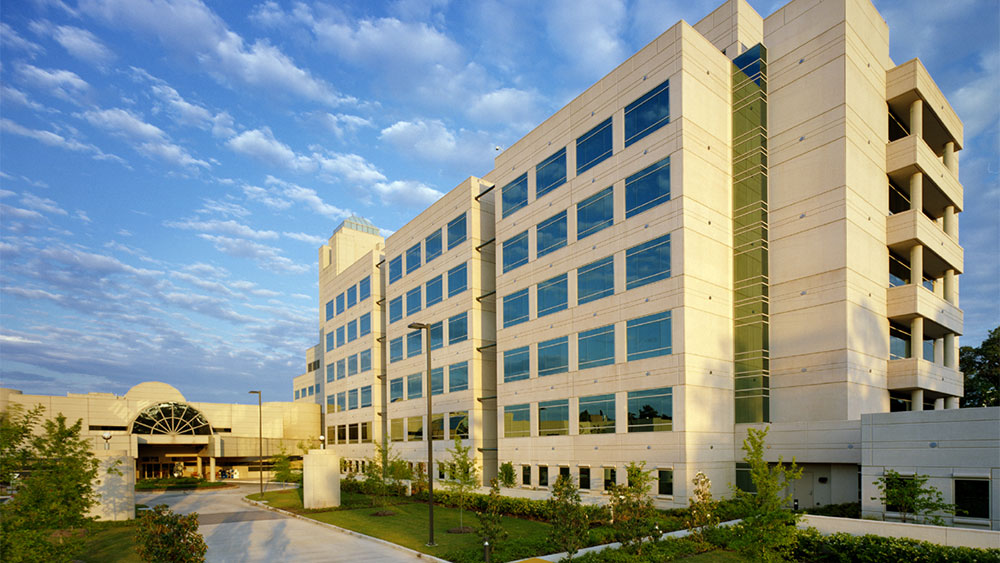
(236, 531)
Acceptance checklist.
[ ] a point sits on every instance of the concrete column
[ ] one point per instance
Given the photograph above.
(917, 338)
(114, 486)
(198, 462)
(321, 479)
(949, 157)
(917, 264)
(949, 286)
(917, 400)
(211, 469)
(939, 404)
(917, 192)
(917, 118)
(949, 350)
(950, 221)
(951, 403)
(939, 351)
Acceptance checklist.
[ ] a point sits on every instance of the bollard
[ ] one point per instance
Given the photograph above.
(486, 551)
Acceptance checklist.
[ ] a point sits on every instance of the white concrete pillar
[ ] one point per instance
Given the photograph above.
(201, 474)
(949, 157)
(949, 351)
(917, 264)
(951, 403)
(939, 404)
(950, 221)
(211, 469)
(917, 192)
(917, 338)
(320, 479)
(917, 400)
(949, 286)
(939, 351)
(114, 486)
(917, 118)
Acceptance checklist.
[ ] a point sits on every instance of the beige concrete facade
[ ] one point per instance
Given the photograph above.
(858, 285)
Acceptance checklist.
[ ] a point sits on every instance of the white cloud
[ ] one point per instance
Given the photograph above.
(261, 145)
(149, 139)
(587, 33)
(974, 102)
(406, 193)
(432, 140)
(225, 227)
(266, 257)
(32, 201)
(344, 124)
(225, 208)
(55, 140)
(267, 197)
(64, 84)
(10, 38)
(519, 108)
(309, 197)
(82, 215)
(9, 212)
(13, 95)
(351, 167)
(78, 42)
(312, 239)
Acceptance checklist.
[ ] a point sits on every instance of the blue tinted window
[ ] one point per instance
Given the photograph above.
(413, 301)
(458, 377)
(516, 364)
(296, 393)
(331, 372)
(437, 335)
(366, 396)
(396, 390)
(596, 347)
(647, 262)
(597, 414)
(647, 188)
(341, 336)
(365, 359)
(413, 258)
(593, 146)
(352, 365)
(651, 410)
(352, 399)
(434, 294)
(341, 369)
(517, 421)
(456, 231)
(340, 304)
(329, 309)
(396, 349)
(352, 331)
(595, 213)
(458, 328)
(515, 308)
(595, 280)
(553, 418)
(515, 251)
(330, 343)
(551, 234)
(437, 381)
(649, 336)
(432, 246)
(396, 309)
(553, 356)
(414, 388)
(648, 113)
(364, 288)
(552, 295)
(458, 280)
(352, 296)
(365, 324)
(514, 195)
(341, 401)
(414, 343)
(550, 173)
(395, 269)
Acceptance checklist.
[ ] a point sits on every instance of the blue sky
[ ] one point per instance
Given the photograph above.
(170, 167)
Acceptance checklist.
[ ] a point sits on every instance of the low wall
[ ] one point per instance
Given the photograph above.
(941, 535)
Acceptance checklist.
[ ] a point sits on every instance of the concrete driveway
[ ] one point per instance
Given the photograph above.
(236, 531)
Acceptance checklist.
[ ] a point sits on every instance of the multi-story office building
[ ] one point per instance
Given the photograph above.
(751, 220)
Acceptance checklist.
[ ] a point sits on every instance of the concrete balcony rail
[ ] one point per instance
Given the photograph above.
(906, 302)
(941, 251)
(911, 81)
(911, 154)
(910, 373)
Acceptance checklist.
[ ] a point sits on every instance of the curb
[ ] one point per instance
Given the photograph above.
(386, 543)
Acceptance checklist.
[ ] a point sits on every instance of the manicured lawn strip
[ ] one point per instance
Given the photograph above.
(291, 500)
(181, 483)
(112, 542)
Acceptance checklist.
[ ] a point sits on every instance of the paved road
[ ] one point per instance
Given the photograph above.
(236, 531)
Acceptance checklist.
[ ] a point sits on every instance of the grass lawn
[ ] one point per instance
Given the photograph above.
(111, 543)
(718, 556)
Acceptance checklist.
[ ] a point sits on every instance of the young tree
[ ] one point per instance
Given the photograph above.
(491, 519)
(383, 472)
(702, 508)
(767, 533)
(462, 478)
(570, 525)
(981, 366)
(283, 472)
(507, 477)
(632, 508)
(16, 426)
(165, 537)
(912, 498)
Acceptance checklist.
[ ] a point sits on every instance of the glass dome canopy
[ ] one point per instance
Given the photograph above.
(171, 419)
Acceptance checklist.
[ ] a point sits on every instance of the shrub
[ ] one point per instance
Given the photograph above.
(163, 536)
(845, 510)
(569, 520)
(844, 548)
(702, 513)
(507, 477)
(632, 508)
(491, 518)
(283, 471)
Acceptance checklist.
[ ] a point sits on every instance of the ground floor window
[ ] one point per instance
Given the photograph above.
(526, 475)
(543, 476)
(610, 478)
(585, 478)
(665, 482)
(972, 498)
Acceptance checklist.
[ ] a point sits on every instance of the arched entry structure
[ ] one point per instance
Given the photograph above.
(171, 418)
(174, 439)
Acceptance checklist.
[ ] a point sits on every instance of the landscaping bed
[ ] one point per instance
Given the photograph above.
(180, 483)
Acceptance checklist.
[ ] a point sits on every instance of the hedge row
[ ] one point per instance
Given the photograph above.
(845, 548)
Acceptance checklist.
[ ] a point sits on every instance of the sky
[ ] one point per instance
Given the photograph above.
(168, 168)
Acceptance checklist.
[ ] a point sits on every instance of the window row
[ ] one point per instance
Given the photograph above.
(413, 342)
(351, 365)
(356, 433)
(308, 391)
(591, 479)
(644, 190)
(349, 400)
(649, 410)
(362, 326)
(643, 116)
(458, 380)
(432, 247)
(644, 264)
(354, 295)
(431, 293)
(646, 337)
(411, 428)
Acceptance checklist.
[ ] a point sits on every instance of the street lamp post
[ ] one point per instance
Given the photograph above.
(260, 442)
(430, 443)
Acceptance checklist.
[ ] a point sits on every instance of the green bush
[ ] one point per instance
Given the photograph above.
(845, 548)
(163, 536)
(652, 552)
(845, 510)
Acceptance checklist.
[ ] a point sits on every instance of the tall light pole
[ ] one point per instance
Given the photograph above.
(430, 443)
(260, 442)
